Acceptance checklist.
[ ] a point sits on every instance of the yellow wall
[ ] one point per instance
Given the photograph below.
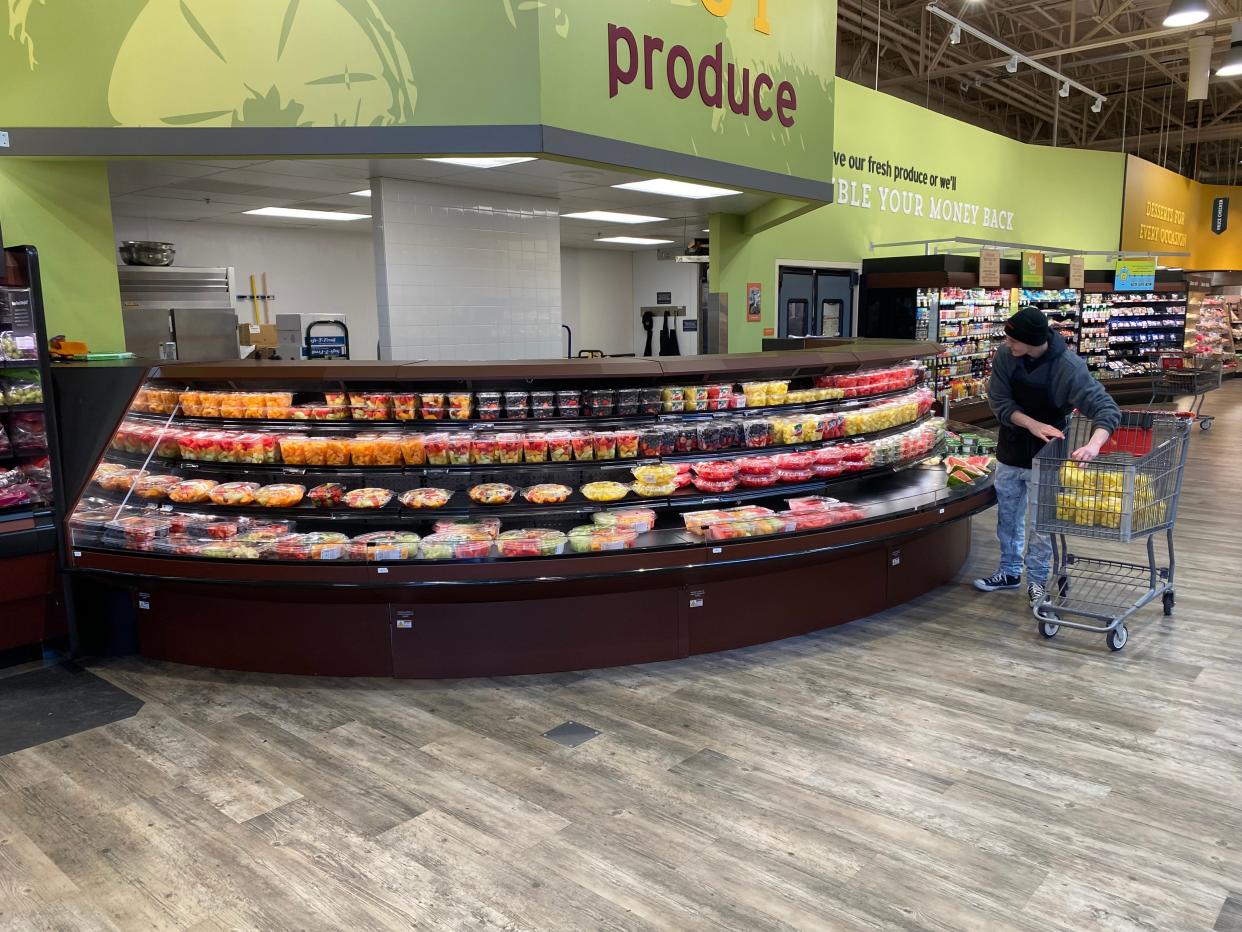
(63, 210)
(1168, 212)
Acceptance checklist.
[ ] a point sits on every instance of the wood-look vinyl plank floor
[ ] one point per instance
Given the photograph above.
(937, 766)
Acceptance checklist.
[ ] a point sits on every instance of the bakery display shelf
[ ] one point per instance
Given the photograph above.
(515, 424)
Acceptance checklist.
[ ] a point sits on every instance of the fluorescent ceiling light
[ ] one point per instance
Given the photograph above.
(366, 193)
(608, 216)
(633, 240)
(295, 214)
(1186, 13)
(669, 188)
(485, 162)
(1231, 66)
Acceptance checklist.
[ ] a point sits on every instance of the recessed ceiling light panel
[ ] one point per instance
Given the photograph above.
(609, 216)
(667, 187)
(485, 162)
(633, 240)
(294, 213)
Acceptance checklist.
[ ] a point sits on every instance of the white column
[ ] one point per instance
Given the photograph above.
(466, 274)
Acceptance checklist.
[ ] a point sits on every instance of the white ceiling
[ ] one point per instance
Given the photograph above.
(220, 192)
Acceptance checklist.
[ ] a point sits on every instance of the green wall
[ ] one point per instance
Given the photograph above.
(63, 210)
(1058, 197)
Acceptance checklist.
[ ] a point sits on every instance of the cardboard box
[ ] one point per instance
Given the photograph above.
(262, 335)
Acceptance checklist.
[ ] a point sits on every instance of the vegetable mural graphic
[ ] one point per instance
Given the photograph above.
(219, 64)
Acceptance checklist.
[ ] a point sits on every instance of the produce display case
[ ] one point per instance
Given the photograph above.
(617, 482)
(969, 324)
(1211, 331)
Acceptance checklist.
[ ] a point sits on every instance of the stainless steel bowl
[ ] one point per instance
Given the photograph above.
(143, 252)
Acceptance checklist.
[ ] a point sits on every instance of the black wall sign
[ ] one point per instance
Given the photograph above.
(664, 297)
(1220, 215)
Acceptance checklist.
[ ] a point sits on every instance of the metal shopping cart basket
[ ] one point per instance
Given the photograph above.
(1184, 374)
(1130, 492)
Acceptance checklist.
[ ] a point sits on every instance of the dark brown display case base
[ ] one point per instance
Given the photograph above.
(741, 594)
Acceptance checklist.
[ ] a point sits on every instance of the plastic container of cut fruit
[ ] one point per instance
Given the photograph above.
(483, 450)
(795, 475)
(413, 449)
(638, 520)
(478, 529)
(405, 406)
(658, 474)
(569, 402)
(535, 448)
(280, 495)
(229, 550)
(759, 433)
(711, 486)
(600, 402)
(459, 448)
(436, 448)
(649, 400)
(492, 493)
(138, 528)
(328, 495)
(716, 470)
(426, 498)
(234, 493)
(809, 520)
(547, 493)
(605, 491)
(810, 503)
(191, 491)
(488, 402)
(431, 412)
(533, 542)
(560, 447)
(509, 448)
(368, 499)
(266, 532)
(627, 402)
(591, 538)
(755, 466)
(213, 528)
(583, 446)
(154, 488)
(694, 398)
(451, 546)
(794, 461)
(756, 394)
(672, 398)
(605, 443)
(517, 405)
(627, 444)
(656, 490)
(757, 480)
(320, 545)
(384, 546)
(387, 450)
(543, 405)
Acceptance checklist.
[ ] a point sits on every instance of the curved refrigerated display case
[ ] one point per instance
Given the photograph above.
(430, 519)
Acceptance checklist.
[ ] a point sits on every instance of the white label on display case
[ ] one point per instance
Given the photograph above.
(4, 140)
(405, 623)
(382, 570)
(717, 550)
(144, 604)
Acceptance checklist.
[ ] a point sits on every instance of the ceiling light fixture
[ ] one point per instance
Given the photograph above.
(609, 216)
(1186, 13)
(366, 193)
(491, 162)
(633, 240)
(1012, 65)
(294, 213)
(1098, 106)
(955, 37)
(1231, 66)
(669, 188)
(1064, 91)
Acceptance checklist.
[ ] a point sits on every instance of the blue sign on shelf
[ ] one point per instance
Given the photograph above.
(332, 347)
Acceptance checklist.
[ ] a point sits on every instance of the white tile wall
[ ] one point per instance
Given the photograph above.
(466, 274)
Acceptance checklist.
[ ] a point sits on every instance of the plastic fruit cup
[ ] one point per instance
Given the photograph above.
(704, 484)
(535, 448)
(388, 451)
(463, 414)
(605, 445)
(560, 448)
(413, 449)
(483, 451)
(432, 412)
(509, 448)
(627, 444)
(543, 405)
(583, 447)
(333, 399)
(568, 403)
(649, 443)
(459, 446)
(436, 448)
(362, 451)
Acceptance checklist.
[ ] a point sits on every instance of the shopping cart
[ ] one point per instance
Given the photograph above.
(1184, 374)
(1130, 492)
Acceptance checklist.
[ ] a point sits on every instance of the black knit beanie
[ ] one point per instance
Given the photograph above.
(1028, 326)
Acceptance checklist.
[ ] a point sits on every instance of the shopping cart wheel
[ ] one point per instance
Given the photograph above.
(1205, 423)
(1118, 637)
(1169, 601)
(1048, 629)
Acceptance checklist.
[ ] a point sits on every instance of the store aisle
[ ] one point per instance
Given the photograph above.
(937, 766)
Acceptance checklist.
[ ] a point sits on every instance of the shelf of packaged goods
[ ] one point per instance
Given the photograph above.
(663, 419)
(1121, 302)
(945, 360)
(1143, 317)
(283, 472)
(974, 335)
(461, 508)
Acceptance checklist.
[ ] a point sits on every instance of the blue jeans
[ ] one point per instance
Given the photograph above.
(1012, 485)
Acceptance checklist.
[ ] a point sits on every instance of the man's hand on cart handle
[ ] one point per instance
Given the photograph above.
(1044, 432)
(1092, 449)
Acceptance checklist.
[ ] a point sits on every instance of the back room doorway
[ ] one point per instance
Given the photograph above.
(816, 299)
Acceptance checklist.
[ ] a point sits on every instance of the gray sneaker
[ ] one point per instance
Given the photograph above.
(1037, 593)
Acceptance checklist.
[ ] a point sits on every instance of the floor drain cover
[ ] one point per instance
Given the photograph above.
(571, 734)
